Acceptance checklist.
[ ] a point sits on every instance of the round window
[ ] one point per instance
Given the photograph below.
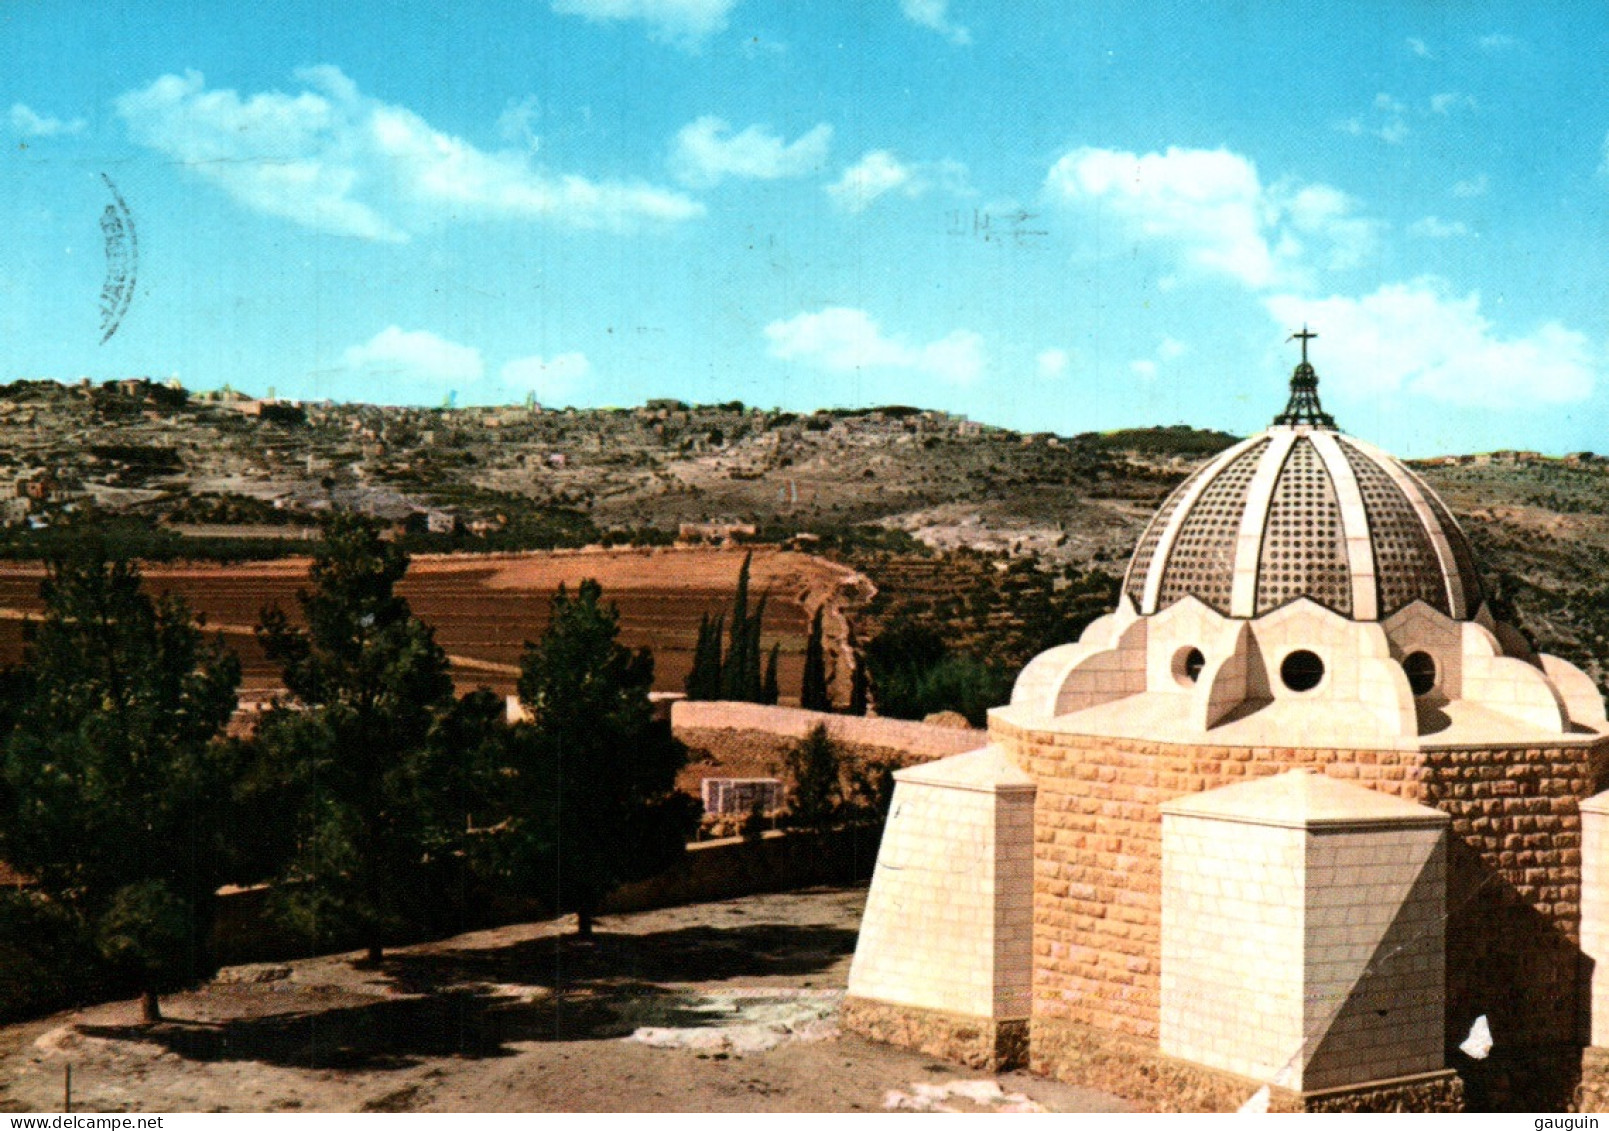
(1421, 672)
(1301, 670)
(1187, 665)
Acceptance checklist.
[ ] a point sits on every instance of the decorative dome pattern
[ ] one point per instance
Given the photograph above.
(1304, 549)
(1303, 511)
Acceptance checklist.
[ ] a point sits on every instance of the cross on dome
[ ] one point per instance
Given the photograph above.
(1304, 407)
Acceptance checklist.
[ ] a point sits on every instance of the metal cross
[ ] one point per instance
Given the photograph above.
(1305, 336)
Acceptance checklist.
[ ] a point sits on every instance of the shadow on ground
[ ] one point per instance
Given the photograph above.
(476, 1003)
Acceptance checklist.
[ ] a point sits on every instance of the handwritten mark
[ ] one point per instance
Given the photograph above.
(122, 262)
(1017, 227)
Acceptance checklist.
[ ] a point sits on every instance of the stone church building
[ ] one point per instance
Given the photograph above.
(1299, 813)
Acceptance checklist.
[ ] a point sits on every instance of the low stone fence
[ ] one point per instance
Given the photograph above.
(921, 741)
(711, 870)
(778, 861)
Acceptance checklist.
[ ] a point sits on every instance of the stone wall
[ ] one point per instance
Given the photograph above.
(1513, 879)
(1134, 1069)
(976, 1042)
(244, 931)
(919, 742)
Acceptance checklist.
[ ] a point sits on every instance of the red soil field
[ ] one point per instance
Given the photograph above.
(484, 608)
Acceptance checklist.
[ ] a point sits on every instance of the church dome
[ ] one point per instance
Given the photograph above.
(1302, 510)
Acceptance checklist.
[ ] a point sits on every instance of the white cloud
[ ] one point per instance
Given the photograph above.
(1418, 47)
(1213, 210)
(1053, 363)
(517, 122)
(1497, 42)
(1474, 186)
(331, 158)
(707, 151)
(876, 173)
(552, 379)
(678, 21)
(1167, 350)
(879, 172)
(842, 339)
(1329, 215)
(1434, 227)
(1389, 105)
(1449, 100)
(410, 356)
(27, 123)
(935, 14)
(1207, 203)
(1419, 338)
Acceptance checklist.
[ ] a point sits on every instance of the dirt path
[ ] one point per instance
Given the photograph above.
(713, 1007)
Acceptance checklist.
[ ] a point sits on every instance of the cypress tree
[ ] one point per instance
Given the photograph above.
(753, 680)
(770, 692)
(859, 689)
(859, 683)
(704, 681)
(733, 670)
(813, 687)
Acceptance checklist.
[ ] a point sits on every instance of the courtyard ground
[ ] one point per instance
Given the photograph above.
(711, 1007)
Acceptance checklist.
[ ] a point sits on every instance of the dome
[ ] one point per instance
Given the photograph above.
(1302, 510)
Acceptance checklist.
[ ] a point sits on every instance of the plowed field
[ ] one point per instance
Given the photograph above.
(485, 608)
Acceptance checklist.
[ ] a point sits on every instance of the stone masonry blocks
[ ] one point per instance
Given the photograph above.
(1513, 868)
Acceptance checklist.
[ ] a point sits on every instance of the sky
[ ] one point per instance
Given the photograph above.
(1064, 217)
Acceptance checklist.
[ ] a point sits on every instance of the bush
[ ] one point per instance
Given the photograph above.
(47, 959)
(914, 674)
(813, 766)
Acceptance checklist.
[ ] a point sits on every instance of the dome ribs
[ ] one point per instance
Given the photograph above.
(1304, 544)
(1408, 567)
(1201, 561)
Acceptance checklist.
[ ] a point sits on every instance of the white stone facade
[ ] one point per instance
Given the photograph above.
(1302, 932)
(1595, 909)
(948, 921)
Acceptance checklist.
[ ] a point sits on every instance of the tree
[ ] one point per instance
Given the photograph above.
(914, 674)
(813, 685)
(737, 675)
(593, 782)
(813, 764)
(770, 689)
(734, 669)
(118, 782)
(380, 757)
(704, 681)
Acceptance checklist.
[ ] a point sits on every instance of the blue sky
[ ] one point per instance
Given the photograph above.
(1047, 216)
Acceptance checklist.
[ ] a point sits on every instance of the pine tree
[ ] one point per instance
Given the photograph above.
(593, 774)
(372, 735)
(118, 783)
(770, 692)
(813, 686)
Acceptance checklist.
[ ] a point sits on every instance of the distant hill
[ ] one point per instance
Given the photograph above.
(1177, 440)
(142, 459)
